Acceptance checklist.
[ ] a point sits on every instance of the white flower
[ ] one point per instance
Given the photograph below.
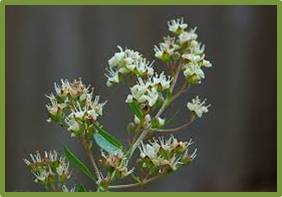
(177, 25)
(192, 57)
(162, 80)
(118, 161)
(143, 92)
(152, 97)
(148, 150)
(207, 63)
(166, 48)
(112, 76)
(188, 36)
(196, 47)
(198, 107)
(165, 152)
(195, 71)
(54, 107)
(127, 61)
(63, 168)
(43, 166)
(41, 175)
(117, 58)
(143, 67)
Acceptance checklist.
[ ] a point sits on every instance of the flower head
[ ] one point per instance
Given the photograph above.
(144, 93)
(167, 49)
(193, 73)
(74, 106)
(126, 62)
(116, 163)
(188, 36)
(177, 26)
(164, 155)
(48, 167)
(198, 107)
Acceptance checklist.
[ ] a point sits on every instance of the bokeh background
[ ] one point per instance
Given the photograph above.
(236, 140)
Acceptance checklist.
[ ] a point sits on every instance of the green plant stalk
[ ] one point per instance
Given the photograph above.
(161, 110)
(135, 184)
(92, 160)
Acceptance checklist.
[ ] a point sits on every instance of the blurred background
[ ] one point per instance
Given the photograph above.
(236, 140)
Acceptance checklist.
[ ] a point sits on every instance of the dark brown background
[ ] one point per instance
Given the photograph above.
(236, 140)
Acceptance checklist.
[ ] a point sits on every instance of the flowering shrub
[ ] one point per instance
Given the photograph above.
(74, 106)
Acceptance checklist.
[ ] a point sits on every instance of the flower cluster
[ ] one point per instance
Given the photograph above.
(198, 107)
(148, 92)
(167, 50)
(127, 62)
(116, 163)
(49, 169)
(74, 106)
(184, 47)
(162, 156)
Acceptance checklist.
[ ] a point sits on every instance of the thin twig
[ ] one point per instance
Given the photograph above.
(166, 101)
(137, 142)
(183, 89)
(177, 128)
(93, 162)
(134, 184)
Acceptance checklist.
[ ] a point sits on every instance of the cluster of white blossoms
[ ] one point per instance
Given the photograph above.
(164, 155)
(149, 91)
(74, 106)
(183, 46)
(127, 61)
(167, 49)
(116, 163)
(49, 168)
(198, 107)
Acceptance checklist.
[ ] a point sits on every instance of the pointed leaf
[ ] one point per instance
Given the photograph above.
(108, 137)
(105, 144)
(78, 163)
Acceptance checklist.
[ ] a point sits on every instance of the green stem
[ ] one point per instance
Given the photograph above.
(177, 128)
(92, 160)
(134, 184)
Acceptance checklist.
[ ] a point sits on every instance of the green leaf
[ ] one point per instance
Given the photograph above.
(104, 143)
(108, 137)
(81, 188)
(136, 110)
(78, 163)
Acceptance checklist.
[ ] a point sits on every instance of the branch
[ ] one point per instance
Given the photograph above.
(183, 89)
(137, 142)
(161, 110)
(167, 102)
(177, 128)
(135, 184)
(93, 162)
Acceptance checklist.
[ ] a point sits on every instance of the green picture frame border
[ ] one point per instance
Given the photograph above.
(3, 3)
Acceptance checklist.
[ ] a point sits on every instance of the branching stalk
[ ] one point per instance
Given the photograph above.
(134, 184)
(92, 160)
(177, 128)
